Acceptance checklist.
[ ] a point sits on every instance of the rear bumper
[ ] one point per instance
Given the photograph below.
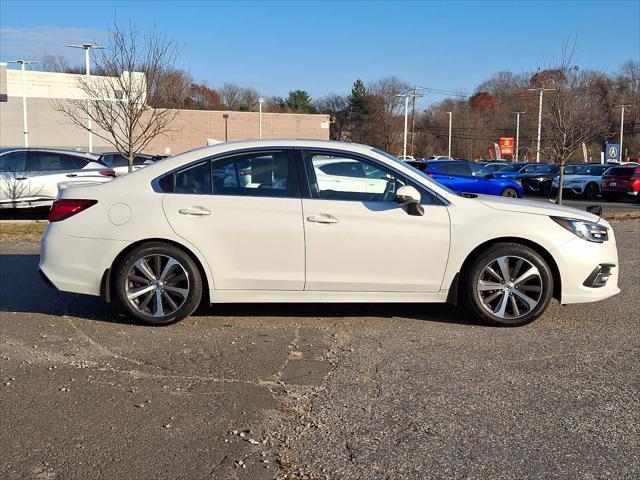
(75, 264)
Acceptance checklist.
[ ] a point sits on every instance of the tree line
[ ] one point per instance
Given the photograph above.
(580, 106)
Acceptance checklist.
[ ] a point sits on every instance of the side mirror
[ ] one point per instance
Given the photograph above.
(411, 197)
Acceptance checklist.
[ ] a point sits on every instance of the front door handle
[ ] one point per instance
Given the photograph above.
(322, 218)
(198, 211)
(72, 175)
(22, 178)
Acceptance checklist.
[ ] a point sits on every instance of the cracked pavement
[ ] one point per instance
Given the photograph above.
(315, 391)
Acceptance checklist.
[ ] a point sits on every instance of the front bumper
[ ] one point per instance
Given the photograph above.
(577, 260)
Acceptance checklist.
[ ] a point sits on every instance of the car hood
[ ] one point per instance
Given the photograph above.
(536, 208)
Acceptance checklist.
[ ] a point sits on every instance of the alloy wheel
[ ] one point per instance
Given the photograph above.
(157, 285)
(509, 287)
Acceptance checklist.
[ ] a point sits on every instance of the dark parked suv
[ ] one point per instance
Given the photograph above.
(537, 178)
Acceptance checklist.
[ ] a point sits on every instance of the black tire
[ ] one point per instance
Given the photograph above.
(509, 192)
(473, 272)
(185, 267)
(591, 191)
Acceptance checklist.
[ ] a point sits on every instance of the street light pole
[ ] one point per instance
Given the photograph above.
(450, 117)
(226, 127)
(517, 133)
(87, 63)
(622, 108)
(23, 66)
(541, 90)
(260, 102)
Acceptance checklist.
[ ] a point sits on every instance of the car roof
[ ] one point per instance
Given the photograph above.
(86, 155)
(447, 162)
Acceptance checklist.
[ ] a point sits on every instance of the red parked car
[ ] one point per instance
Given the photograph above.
(621, 181)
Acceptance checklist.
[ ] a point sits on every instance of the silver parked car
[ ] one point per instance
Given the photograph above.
(32, 177)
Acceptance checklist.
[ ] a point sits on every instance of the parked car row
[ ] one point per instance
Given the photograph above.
(589, 181)
(32, 177)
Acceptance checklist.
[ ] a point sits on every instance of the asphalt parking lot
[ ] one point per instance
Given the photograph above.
(316, 391)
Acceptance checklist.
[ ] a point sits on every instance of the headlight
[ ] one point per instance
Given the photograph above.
(592, 232)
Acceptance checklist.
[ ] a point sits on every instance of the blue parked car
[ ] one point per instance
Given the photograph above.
(458, 176)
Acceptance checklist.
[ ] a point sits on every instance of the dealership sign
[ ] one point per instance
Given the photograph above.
(612, 152)
(506, 146)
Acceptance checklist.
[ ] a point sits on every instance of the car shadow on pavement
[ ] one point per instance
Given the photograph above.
(23, 290)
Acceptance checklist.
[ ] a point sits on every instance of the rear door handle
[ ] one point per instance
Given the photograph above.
(22, 178)
(198, 211)
(322, 218)
(72, 175)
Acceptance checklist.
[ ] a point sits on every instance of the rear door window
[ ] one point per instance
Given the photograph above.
(259, 174)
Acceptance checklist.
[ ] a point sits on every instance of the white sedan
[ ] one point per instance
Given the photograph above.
(585, 181)
(190, 228)
(32, 177)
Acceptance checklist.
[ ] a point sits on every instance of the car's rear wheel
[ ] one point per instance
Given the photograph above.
(591, 191)
(509, 192)
(508, 285)
(158, 284)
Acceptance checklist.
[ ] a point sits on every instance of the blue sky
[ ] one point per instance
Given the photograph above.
(324, 46)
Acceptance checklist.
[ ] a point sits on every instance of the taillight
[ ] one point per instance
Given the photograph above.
(108, 173)
(62, 209)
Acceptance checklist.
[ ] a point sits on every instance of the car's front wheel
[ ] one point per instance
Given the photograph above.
(591, 191)
(509, 192)
(158, 284)
(508, 285)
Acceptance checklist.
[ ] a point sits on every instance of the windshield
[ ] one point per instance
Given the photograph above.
(591, 170)
(511, 168)
(422, 174)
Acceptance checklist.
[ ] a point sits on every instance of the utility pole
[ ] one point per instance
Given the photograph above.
(414, 93)
(622, 109)
(406, 112)
(23, 66)
(87, 63)
(541, 90)
(450, 115)
(517, 114)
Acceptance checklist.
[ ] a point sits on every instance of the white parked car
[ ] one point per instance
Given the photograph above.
(120, 163)
(584, 181)
(186, 228)
(32, 177)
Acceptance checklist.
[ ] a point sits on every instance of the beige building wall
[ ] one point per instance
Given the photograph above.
(190, 129)
(193, 128)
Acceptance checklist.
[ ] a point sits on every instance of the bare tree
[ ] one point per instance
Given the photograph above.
(386, 109)
(337, 107)
(58, 63)
(134, 71)
(235, 97)
(573, 113)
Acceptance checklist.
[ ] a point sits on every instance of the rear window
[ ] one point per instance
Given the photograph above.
(620, 171)
(461, 169)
